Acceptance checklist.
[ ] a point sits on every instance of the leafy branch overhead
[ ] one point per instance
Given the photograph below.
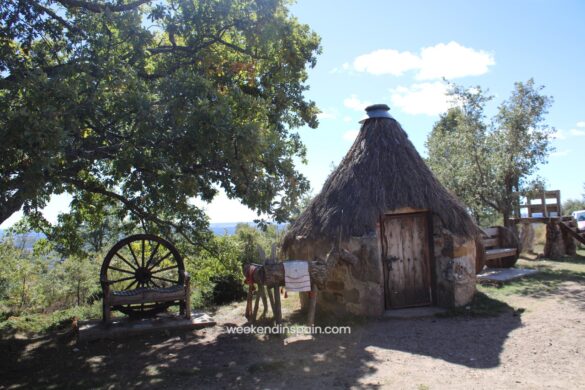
(150, 104)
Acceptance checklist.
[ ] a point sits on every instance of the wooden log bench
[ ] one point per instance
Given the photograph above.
(145, 299)
(143, 275)
(501, 247)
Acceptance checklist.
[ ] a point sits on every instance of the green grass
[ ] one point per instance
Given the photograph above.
(552, 274)
(490, 300)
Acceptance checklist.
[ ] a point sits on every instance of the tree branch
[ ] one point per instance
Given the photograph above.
(138, 211)
(489, 203)
(99, 7)
(59, 19)
(11, 205)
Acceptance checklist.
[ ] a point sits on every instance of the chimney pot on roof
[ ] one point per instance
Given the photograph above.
(377, 107)
(377, 111)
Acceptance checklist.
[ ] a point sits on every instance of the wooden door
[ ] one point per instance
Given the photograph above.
(406, 260)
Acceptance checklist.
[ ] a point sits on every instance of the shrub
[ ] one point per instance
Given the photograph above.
(226, 289)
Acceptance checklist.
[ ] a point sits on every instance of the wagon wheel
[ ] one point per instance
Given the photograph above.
(142, 261)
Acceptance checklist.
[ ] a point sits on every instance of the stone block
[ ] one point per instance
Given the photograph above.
(334, 285)
(352, 296)
(447, 249)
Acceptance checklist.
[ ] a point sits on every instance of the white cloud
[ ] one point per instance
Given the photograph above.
(344, 68)
(350, 135)
(347, 119)
(450, 60)
(560, 153)
(581, 124)
(355, 104)
(223, 209)
(386, 62)
(423, 98)
(578, 133)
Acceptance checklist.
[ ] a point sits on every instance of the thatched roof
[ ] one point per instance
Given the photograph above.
(381, 172)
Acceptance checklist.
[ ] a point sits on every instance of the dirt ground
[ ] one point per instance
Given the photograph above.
(538, 344)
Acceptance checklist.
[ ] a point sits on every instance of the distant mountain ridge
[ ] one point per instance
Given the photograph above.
(229, 228)
(219, 229)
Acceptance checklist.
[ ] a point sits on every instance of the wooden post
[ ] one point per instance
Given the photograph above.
(544, 210)
(264, 301)
(554, 248)
(256, 304)
(527, 238)
(312, 305)
(278, 311)
(187, 303)
(249, 307)
(260, 295)
(106, 313)
(271, 299)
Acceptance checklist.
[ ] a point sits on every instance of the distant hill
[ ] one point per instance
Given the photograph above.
(225, 228)
(26, 241)
(219, 229)
(229, 228)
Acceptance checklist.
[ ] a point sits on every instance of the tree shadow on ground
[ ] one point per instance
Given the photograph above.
(196, 360)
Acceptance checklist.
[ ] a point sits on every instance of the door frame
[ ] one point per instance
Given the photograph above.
(431, 252)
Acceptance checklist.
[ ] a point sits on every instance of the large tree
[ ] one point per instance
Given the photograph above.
(486, 163)
(150, 104)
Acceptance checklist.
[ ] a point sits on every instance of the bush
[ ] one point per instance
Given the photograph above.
(226, 289)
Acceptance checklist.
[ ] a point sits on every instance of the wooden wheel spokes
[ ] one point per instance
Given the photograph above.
(142, 261)
(153, 252)
(133, 254)
(157, 262)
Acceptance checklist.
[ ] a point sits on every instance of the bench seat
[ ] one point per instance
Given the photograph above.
(497, 253)
(144, 295)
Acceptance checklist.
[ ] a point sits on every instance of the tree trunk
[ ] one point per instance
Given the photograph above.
(23, 292)
(554, 247)
(11, 206)
(78, 292)
(506, 214)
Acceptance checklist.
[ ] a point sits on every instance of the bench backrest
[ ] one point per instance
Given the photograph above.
(491, 238)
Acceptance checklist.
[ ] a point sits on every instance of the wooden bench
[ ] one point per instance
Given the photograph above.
(143, 275)
(501, 247)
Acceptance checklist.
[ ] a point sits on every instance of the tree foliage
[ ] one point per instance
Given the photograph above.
(149, 104)
(486, 163)
(571, 205)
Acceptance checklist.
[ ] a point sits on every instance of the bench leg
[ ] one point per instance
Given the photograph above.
(187, 303)
(312, 305)
(107, 314)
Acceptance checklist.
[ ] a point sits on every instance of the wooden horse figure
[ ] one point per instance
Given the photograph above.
(255, 277)
(269, 277)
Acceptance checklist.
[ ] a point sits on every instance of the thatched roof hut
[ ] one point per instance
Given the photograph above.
(383, 177)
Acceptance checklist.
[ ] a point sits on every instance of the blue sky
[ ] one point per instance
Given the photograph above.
(397, 53)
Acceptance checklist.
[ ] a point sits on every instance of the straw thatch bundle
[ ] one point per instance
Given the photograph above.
(381, 172)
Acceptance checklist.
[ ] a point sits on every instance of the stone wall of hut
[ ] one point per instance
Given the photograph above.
(350, 289)
(359, 289)
(454, 267)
